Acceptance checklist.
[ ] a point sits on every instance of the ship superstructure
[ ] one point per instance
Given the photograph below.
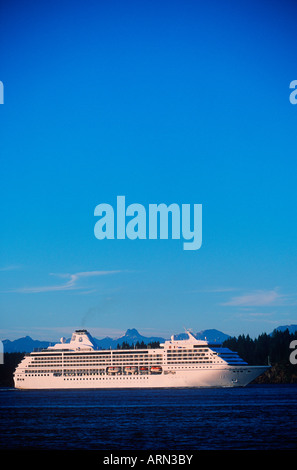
(177, 363)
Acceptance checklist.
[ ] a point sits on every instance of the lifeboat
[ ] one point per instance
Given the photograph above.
(156, 370)
(130, 369)
(114, 370)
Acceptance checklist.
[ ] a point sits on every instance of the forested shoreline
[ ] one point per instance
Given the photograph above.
(271, 349)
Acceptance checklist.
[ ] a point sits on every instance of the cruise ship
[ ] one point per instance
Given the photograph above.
(176, 363)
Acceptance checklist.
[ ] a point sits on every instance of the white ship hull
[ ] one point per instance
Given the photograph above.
(217, 377)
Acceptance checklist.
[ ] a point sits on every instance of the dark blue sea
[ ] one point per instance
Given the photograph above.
(252, 418)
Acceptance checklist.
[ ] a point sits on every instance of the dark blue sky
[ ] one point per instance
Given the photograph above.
(173, 102)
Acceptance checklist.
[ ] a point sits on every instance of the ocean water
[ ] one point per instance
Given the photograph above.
(256, 417)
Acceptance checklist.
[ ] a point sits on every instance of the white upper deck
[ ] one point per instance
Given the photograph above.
(81, 340)
(183, 343)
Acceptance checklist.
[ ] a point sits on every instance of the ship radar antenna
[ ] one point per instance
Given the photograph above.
(189, 332)
(187, 329)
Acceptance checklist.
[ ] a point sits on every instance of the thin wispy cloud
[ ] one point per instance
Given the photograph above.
(73, 282)
(11, 267)
(257, 298)
(218, 290)
(213, 290)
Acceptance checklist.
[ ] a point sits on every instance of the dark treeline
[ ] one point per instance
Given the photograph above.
(11, 360)
(271, 349)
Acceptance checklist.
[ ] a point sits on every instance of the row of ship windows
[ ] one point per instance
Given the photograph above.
(96, 378)
(122, 353)
(186, 353)
(92, 358)
(39, 367)
(171, 365)
(189, 353)
(130, 360)
(92, 378)
(124, 363)
(110, 378)
(97, 373)
(127, 359)
(193, 362)
(139, 363)
(84, 376)
(89, 372)
(131, 354)
(99, 360)
(97, 364)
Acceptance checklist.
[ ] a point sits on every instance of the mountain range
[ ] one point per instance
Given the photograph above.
(132, 336)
